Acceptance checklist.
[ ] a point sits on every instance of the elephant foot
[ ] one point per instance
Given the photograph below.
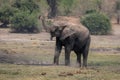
(78, 65)
(55, 64)
(84, 65)
(67, 64)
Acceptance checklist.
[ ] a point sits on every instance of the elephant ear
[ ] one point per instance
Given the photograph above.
(67, 32)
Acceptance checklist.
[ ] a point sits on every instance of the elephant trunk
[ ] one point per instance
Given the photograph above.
(47, 28)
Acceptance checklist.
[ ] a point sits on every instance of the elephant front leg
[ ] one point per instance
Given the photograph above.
(56, 57)
(79, 60)
(58, 49)
(78, 54)
(85, 56)
(67, 56)
(85, 53)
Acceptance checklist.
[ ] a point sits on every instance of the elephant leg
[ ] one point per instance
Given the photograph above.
(78, 58)
(58, 49)
(67, 56)
(56, 57)
(85, 53)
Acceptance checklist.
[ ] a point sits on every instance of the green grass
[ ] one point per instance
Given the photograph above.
(101, 67)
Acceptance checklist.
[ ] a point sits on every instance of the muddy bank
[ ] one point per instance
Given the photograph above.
(19, 58)
(9, 56)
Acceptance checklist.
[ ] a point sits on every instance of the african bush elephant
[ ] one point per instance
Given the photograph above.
(73, 37)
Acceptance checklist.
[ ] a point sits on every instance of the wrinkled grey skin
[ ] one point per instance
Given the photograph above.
(74, 38)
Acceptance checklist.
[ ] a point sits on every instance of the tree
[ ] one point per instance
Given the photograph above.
(6, 12)
(66, 5)
(25, 23)
(53, 8)
(117, 9)
(25, 19)
(26, 5)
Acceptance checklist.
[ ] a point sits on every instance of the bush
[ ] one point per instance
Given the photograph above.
(6, 12)
(97, 23)
(90, 11)
(25, 18)
(24, 22)
(66, 6)
(26, 5)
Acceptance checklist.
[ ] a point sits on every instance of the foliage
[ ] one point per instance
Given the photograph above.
(90, 11)
(97, 23)
(81, 6)
(61, 7)
(25, 19)
(6, 12)
(98, 4)
(22, 14)
(26, 5)
(53, 8)
(117, 10)
(24, 22)
(118, 5)
(66, 5)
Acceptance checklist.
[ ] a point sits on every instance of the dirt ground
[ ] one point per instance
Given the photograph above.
(20, 48)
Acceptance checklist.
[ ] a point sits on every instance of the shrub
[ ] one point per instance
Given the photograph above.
(6, 12)
(90, 11)
(24, 22)
(26, 5)
(66, 6)
(97, 23)
(25, 18)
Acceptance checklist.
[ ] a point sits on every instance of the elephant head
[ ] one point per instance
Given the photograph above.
(58, 29)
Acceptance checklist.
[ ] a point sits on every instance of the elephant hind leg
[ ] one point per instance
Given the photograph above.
(85, 53)
(78, 58)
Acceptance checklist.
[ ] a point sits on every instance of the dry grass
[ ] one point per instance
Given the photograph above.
(101, 67)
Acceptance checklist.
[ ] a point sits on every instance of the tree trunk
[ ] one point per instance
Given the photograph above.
(118, 20)
(118, 17)
(53, 8)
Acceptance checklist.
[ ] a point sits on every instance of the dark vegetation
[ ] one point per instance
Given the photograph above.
(25, 18)
(97, 23)
(22, 15)
(12, 12)
(6, 12)
(117, 8)
(53, 8)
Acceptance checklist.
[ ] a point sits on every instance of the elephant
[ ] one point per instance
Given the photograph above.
(73, 37)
